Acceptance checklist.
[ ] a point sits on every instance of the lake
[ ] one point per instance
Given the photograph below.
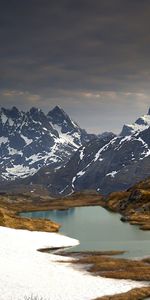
(98, 229)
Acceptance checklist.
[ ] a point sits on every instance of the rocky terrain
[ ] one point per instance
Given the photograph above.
(106, 265)
(133, 204)
(134, 294)
(12, 204)
(103, 264)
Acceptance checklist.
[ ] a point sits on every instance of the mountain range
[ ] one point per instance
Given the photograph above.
(53, 151)
(31, 140)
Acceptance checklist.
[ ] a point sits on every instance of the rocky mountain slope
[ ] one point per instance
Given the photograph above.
(62, 181)
(105, 164)
(31, 140)
(133, 204)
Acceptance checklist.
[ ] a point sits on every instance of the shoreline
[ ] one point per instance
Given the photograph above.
(101, 263)
(116, 202)
(9, 210)
(12, 205)
(26, 271)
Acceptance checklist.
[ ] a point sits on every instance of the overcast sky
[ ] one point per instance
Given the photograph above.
(91, 57)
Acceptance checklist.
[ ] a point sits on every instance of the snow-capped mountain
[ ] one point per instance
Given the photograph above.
(115, 165)
(31, 140)
(139, 125)
(54, 152)
(107, 163)
(68, 130)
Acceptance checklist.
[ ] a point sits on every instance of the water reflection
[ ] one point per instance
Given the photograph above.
(64, 212)
(53, 214)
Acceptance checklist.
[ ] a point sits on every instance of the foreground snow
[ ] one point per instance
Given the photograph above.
(25, 271)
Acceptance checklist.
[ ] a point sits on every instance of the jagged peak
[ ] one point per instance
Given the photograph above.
(58, 116)
(58, 113)
(139, 125)
(57, 110)
(10, 112)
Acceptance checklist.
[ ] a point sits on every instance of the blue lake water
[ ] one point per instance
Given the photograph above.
(98, 229)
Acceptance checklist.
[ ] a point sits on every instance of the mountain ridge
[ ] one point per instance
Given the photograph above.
(29, 141)
(80, 161)
(106, 165)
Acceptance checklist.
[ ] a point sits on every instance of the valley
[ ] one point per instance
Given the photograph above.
(57, 177)
(75, 150)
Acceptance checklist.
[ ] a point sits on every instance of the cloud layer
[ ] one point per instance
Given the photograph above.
(91, 57)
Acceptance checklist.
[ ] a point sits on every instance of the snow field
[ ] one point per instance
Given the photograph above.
(25, 271)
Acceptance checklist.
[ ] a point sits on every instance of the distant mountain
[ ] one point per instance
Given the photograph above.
(32, 140)
(106, 163)
(139, 125)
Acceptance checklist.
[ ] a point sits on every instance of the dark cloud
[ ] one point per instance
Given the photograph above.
(61, 51)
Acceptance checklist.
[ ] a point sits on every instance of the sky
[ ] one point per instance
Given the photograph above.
(92, 58)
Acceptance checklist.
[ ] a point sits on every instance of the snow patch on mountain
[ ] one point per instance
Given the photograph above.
(13, 151)
(112, 174)
(66, 137)
(81, 151)
(81, 173)
(19, 171)
(104, 148)
(26, 139)
(3, 119)
(3, 140)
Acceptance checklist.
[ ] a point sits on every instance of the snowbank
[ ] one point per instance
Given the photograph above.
(25, 271)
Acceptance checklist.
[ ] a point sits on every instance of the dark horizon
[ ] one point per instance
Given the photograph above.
(89, 57)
